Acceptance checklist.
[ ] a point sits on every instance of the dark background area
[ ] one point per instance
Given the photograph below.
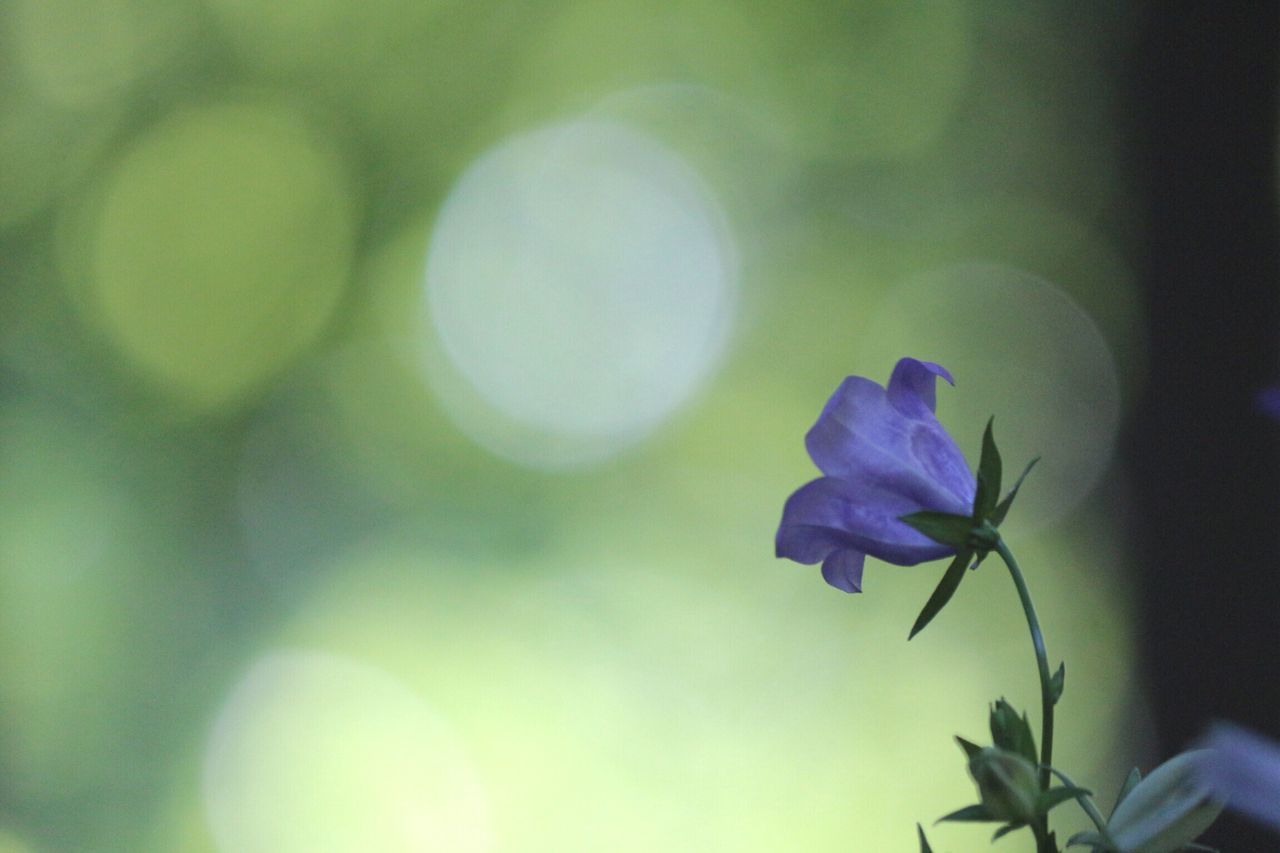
(1203, 83)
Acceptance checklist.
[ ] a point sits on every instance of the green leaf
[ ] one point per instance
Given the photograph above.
(970, 748)
(1006, 829)
(943, 592)
(1012, 732)
(1194, 846)
(997, 517)
(941, 527)
(975, 812)
(924, 842)
(1057, 682)
(989, 473)
(1130, 782)
(1057, 796)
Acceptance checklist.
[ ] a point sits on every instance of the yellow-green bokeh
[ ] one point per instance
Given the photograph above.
(275, 573)
(220, 246)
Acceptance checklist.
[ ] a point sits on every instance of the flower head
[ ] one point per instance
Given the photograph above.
(1166, 810)
(1243, 768)
(883, 455)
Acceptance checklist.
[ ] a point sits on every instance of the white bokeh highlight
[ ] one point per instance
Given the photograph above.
(581, 281)
(316, 752)
(1022, 350)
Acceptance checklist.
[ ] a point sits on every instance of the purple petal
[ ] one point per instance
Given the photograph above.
(945, 466)
(806, 533)
(843, 569)
(913, 386)
(832, 441)
(1244, 768)
(1268, 402)
(830, 514)
(860, 436)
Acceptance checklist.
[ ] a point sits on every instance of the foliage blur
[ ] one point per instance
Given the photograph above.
(397, 400)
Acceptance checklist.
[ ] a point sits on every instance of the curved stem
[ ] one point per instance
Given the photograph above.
(1086, 803)
(1042, 662)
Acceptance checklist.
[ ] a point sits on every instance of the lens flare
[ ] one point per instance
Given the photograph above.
(581, 282)
(316, 752)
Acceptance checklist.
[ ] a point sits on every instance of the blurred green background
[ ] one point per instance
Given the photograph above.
(398, 399)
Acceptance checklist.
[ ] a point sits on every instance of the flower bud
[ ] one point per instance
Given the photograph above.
(1166, 810)
(1007, 784)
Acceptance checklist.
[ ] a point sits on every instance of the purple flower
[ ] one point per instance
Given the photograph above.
(1244, 768)
(884, 455)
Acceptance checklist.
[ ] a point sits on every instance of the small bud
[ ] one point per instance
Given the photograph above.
(1165, 811)
(1007, 784)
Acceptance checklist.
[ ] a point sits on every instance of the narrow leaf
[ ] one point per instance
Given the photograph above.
(989, 473)
(997, 517)
(1130, 782)
(942, 593)
(1057, 682)
(975, 812)
(1194, 846)
(970, 749)
(1057, 796)
(941, 527)
(1006, 829)
(924, 842)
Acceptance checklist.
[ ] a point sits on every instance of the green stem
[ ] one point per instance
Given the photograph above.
(1086, 803)
(1042, 662)
(1040, 830)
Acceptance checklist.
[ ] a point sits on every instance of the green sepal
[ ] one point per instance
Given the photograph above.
(924, 842)
(974, 813)
(1002, 509)
(970, 748)
(941, 527)
(943, 592)
(1057, 796)
(1006, 829)
(1057, 682)
(1012, 732)
(989, 473)
(1130, 782)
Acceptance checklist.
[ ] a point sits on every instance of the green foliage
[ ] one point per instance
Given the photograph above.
(989, 475)
(973, 537)
(970, 814)
(942, 593)
(1057, 682)
(1001, 510)
(1012, 732)
(1130, 782)
(942, 527)
(970, 748)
